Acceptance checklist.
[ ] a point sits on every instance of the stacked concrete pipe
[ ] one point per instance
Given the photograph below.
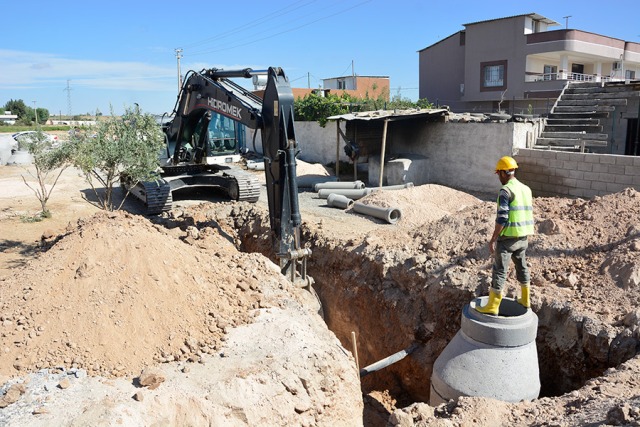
(352, 193)
(390, 215)
(258, 166)
(310, 181)
(348, 185)
(397, 187)
(491, 356)
(339, 201)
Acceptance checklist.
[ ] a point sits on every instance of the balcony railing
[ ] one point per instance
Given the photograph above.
(578, 77)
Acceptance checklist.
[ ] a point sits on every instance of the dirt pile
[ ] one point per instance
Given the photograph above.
(116, 295)
(179, 290)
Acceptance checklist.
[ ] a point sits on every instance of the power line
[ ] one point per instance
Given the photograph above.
(281, 32)
(251, 23)
(68, 90)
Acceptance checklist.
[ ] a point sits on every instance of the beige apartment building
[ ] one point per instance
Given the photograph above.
(519, 64)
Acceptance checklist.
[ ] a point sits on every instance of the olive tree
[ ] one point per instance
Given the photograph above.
(49, 162)
(119, 146)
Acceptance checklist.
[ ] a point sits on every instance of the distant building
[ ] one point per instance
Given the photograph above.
(517, 64)
(357, 86)
(8, 118)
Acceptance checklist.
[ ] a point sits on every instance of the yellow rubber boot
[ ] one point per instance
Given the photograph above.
(493, 306)
(525, 298)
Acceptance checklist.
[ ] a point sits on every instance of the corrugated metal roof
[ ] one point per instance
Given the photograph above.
(533, 15)
(356, 76)
(391, 114)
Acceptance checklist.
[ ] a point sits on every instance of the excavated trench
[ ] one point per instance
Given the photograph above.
(391, 306)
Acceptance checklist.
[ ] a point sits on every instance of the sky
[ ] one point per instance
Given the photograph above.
(82, 57)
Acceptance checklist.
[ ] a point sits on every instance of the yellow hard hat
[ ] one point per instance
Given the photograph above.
(506, 163)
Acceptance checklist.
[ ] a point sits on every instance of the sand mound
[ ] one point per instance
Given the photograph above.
(421, 204)
(116, 294)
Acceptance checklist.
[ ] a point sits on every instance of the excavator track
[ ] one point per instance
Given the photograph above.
(156, 195)
(243, 186)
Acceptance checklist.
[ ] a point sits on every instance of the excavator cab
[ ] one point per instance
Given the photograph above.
(222, 135)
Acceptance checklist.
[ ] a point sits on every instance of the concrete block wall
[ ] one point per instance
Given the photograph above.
(317, 144)
(584, 175)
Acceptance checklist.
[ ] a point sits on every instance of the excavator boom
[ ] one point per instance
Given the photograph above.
(208, 99)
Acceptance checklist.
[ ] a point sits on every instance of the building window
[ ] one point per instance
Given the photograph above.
(341, 84)
(493, 75)
(630, 74)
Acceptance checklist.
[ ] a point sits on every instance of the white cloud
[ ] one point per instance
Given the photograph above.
(29, 70)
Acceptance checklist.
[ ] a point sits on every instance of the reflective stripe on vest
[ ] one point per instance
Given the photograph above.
(520, 210)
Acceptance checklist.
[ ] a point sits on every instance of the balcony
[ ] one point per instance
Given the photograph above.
(577, 77)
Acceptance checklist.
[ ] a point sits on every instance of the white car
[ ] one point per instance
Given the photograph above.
(31, 134)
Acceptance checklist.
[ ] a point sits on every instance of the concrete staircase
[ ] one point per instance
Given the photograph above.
(575, 121)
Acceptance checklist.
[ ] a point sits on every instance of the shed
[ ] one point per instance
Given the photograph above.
(368, 133)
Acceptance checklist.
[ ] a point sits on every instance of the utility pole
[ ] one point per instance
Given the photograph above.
(35, 109)
(178, 56)
(566, 22)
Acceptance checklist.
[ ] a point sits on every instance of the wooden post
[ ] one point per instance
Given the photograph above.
(355, 349)
(338, 149)
(384, 147)
(355, 160)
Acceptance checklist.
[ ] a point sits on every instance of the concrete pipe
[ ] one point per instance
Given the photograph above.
(339, 201)
(491, 356)
(310, 181)
(391, 215)
(353, 194)
(340, 184)
(255, 166)
(397, 187)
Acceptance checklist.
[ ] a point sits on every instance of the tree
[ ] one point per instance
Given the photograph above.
(317, 108)
(424, 103)
(49, 163)
(43, 115)
(121, 146)
(17, 107)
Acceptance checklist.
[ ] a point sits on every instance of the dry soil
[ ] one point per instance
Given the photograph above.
(99, 298)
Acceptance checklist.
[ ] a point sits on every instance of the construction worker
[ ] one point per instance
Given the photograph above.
(514, 222)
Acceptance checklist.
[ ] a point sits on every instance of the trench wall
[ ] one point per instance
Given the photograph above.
(556, 173)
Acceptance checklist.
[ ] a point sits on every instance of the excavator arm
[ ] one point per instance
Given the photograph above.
(211, 91)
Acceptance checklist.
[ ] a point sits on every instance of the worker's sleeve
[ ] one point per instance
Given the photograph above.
(502, 217)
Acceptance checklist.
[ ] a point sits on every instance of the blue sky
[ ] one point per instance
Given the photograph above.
(123, 52)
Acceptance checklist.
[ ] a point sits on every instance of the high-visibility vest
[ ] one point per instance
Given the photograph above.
(520, 210)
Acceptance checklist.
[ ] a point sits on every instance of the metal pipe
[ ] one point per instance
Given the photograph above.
(354, 193)
(339, 184)
(339, 201)
(391, 215)
(396, 357)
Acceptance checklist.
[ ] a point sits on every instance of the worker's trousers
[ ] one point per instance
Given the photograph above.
(506, 250)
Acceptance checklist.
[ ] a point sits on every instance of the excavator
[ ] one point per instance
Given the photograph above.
(203, 150)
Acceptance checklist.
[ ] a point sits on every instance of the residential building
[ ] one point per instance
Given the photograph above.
(354, 85)
(359, 86)
(519, 64)
(8, 118)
